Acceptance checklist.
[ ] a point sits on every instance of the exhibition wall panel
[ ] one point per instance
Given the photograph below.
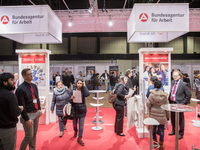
(197, 44)
(177, 45)
(86, 45)
(133, 47)
(190, 44)
(113, 45)
(27, 46)
(6, 47)
(59, 48)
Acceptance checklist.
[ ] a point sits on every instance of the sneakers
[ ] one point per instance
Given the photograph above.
(61, 134)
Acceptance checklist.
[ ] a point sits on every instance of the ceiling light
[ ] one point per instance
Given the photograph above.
(70, 21)
(110, 22)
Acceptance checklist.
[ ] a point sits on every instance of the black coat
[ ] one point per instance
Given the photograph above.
(81, 108)
(121, 92)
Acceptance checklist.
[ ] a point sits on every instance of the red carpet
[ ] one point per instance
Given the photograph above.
(106, 139)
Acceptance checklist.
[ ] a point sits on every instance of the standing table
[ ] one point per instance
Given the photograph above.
(196, 122)
(177, 108)
(97, 108)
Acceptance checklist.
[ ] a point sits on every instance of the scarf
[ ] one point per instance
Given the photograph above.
(59, 91)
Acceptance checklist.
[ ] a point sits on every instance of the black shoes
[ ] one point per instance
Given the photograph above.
(171, 133)
(120, 134)
(180, 137)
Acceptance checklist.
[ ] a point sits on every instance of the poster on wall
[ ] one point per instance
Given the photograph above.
(156, 65)
(37, 65)
(114, 69)
(89, 72)
(67, 69)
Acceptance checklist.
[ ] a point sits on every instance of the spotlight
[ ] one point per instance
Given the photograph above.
(110, 22)
(70, 21)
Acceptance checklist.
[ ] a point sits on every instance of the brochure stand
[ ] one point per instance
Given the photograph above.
(38, 61)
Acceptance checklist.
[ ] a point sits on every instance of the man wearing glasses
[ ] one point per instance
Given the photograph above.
(179, 94)
(28, 97)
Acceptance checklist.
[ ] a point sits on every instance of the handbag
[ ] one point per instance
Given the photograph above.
(68, 111)
(112, 96)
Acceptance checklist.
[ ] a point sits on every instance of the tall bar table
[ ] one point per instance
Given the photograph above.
(177, 108)
(97, 109)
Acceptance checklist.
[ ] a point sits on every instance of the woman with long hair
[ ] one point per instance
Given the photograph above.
(122, 95)
(80, 108)
(61, 96)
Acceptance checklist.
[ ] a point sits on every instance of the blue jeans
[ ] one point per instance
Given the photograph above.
(61, 122)
(81, 125)
(96, 88)
(161, 130)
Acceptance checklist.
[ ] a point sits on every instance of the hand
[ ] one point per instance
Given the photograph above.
(40, 112)
(134, 88)
(29, 124)
(72, 97)
(83, 83)
(52, 111)
(22, 108)
(127, 96)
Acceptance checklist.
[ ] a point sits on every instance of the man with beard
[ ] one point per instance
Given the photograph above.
(9, 111)
(27, 95)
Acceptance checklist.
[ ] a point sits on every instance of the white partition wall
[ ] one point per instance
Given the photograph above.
(38, 61)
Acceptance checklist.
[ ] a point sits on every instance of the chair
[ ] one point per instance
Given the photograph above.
(151, 122)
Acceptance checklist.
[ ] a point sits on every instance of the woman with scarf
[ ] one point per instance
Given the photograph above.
(80, 108)
(61, 96)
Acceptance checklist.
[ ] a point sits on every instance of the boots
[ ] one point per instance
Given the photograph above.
(155, 143)
(79, 140)
(75, 133)
(161, 145)
(61, 134)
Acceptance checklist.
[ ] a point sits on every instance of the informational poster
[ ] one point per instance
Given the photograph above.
(156, 65)
(37, 65)
(114, 69)
(67, 69)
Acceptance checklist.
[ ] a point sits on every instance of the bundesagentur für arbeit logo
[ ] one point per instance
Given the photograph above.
(143, 17)
(4, 19)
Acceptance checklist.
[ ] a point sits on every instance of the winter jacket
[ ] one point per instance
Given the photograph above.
(60, 98)
(80, 108)
(154, 102)
(121, 92)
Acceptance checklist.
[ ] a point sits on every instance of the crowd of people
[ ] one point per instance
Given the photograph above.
(23, 99)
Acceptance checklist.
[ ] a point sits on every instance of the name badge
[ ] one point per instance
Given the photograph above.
(35, 101)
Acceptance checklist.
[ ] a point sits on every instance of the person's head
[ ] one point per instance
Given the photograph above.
(58, 73)
(153, 79)
(97, 75)
(59, 84)
(16, 76)
(162, 67)
(129, 73)
(27, 75)
(79, 84)
(157, 84)
(80, 73)
(146, 68)
(151, 70)
(156, 67)
(66, 74)
(7, 81)
(177, 75)
(124, 80)
(112, 73)
(105, 71)
(198, 76)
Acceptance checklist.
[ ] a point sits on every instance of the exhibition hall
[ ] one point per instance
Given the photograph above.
(99, 74)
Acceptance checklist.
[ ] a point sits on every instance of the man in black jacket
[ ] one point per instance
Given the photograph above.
(27, 95)
(106, 77)
(9, 111)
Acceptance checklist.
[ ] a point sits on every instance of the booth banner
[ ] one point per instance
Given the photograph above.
(155, 57)
(37, 65)
(30, 24)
